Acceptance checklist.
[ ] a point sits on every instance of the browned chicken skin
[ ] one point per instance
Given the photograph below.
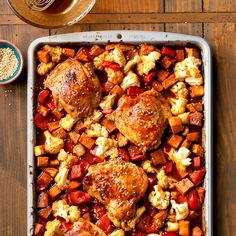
(85, 228)
(74, 87)
(143, 119)
(118, 185)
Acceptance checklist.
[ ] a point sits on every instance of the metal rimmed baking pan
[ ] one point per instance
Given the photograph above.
(131, 37)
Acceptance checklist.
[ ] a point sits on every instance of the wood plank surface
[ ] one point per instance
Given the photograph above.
(185, 28)
(183, 5)
(4, 8)
(220, 5)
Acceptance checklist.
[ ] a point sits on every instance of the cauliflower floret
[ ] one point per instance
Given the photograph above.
(181, 210)
(53, 145)
(67, 160)
(118, 232)
(79, 150)
(130, 224)
(178, 105)
(108, 102)
(179, 89)
(63, 210)
(147, 166)
(188, 70)
(184, 117)
(159, 198)
(118, 56)
(67, 122)
(106, 147)
(97, 130)
(94, 118)
(114, 76)
(53, 228)
(55, 52)
(43, 68)
(62, 178)
(97, 61)
(172, 226)
(131, 79)
(180, 157)
(164, 181)
(148, 62)
(131, 63)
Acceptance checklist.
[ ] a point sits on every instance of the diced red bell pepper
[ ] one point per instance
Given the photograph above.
(108, 86)
(105, 112)
(50, 104)
(99, 211)
(168, 167)
(43, 95)
(66, 226)
(41, 122)
(105, 224)
(76, 172)
(149, 77)
(197, 176)
(167, 148)
(193, 201)
(43, 179)
(181, 199)
(88, 54)
(69, 146)
(196, 162)
(152, 180)
(41, 188)
(123, 154)
(139, 157)
(168, 51)
(79, 197)
(43, 200)
(179, 55)
(113, 65)
(134, 91)
(169, 234)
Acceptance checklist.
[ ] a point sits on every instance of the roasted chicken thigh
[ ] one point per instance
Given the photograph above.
(118, 185)
(74, 87)
(143, 119)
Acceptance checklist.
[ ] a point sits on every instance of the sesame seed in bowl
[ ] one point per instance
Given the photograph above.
(11, 62)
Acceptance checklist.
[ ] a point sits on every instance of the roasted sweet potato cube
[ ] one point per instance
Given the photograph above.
(193, 107)
(196, 118)
(193, 136)
(184, 185)
(86, 141)
(186, 143)
(169, 81)
(42, 161)
(81, 56)
(167, 61)
(42, 110)
(54, 192)
(45, 212)
(122, 140)
(54, 163)
(79, 126)
(39, 229)
(96, 50)
(123, 47)
(198, 150)
(39, 150)
(192, 52)
(52, 171)
(60, 133)
(68, 52)
(179, 55)
(43, 56)
(74, 136)
(57, 114)
(73, 185)
(133, 150)
(163, 74)
(196, 231)
(44, 179)
(157, 86)
(175, 140)
(43, 200)
(182, 173)
(159, 218)
(117, 90)
(196, 91)
(145, 49)
(111, 46)
(53, 125)
(184, 228)
(158, 157)
(201, 193)
(175, 124)
(109, 124)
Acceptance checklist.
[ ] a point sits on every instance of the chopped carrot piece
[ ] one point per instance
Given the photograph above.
(42, 161)
(193, 136)
(54, 192)
(196, 91)
(169, 81)
(158, 157)
(86, 141)
(175, 124)
(175, 141)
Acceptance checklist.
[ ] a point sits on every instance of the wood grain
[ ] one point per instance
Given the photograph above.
(185, 28)
(183, 5)
(13, 139)
(222, 38)
(4, 8)
(220, 5)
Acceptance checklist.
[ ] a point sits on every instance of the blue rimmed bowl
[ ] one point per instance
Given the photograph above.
(7, 44)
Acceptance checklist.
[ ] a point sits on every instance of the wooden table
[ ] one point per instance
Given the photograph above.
(214, 20)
